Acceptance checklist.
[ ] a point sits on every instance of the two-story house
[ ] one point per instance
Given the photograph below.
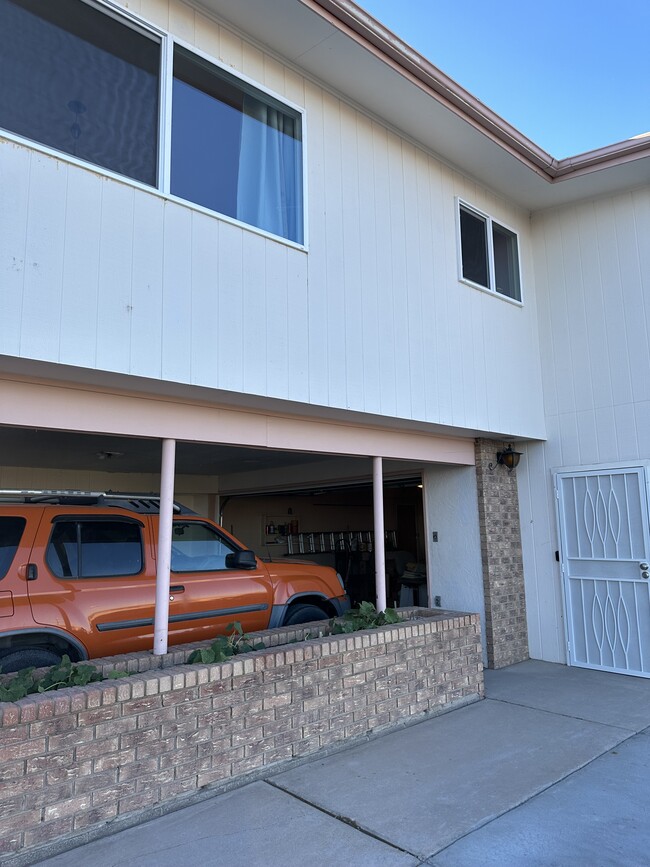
(338, 287)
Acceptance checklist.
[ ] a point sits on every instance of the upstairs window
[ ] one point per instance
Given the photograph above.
(82, 82)
(86, 81)
(489, 253)
(235, 150)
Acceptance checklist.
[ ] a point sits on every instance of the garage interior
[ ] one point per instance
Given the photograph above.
(281, 504)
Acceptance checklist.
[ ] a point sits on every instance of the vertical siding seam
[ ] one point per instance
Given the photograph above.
(131, 259)
(98, 272)
(26, 234)
(63, 260)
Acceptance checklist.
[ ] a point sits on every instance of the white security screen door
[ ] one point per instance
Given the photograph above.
(604, 538)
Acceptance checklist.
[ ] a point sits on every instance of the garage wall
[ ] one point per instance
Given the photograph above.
(246, 518)
(196, 492)
(370, 317)
(454, 561)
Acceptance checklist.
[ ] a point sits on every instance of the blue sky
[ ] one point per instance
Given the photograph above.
(572, 75)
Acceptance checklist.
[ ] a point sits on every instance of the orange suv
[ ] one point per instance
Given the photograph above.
(78, 575)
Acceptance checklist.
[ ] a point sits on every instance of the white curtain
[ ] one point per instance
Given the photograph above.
(269, 190)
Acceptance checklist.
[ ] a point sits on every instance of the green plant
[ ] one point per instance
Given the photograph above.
(365, 616)
(65, 673)
(225, 646)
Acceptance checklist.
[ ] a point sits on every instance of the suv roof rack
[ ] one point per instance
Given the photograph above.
(142, 503)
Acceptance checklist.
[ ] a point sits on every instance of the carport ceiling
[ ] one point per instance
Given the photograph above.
(21, 447)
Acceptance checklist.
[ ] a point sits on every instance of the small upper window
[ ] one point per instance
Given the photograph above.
(489, 253)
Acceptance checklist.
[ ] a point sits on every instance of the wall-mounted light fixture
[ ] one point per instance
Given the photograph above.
(508, 458)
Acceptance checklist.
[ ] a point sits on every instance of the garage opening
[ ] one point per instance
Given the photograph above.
(333, 525)
(281, 504)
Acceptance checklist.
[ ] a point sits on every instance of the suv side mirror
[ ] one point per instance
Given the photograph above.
(241, 560)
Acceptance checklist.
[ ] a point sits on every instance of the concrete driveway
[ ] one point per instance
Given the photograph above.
(553, 768)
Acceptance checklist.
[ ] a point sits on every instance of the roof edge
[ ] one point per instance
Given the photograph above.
(351, 19)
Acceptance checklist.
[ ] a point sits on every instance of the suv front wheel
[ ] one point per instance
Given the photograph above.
(304, 613)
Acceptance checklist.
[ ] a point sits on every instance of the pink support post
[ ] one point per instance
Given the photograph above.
(380, 555)
(161, 618)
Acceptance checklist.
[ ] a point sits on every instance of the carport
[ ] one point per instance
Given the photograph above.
(213, 456)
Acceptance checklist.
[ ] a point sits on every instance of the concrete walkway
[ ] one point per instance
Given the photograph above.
(553, 768)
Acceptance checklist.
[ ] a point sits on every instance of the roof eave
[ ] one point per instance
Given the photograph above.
(367, 31)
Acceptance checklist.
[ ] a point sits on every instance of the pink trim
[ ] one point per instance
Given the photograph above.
(93, 410)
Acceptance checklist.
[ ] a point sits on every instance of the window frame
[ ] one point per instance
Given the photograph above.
(463, 205)
(77, 521)
(4, 569)
(171, 43)
(224, 540)
(168, 42)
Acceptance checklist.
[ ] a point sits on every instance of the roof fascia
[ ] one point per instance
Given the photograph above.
(366, 31)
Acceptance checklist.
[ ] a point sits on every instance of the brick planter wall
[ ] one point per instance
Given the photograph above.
(123, 750)
(506, 630)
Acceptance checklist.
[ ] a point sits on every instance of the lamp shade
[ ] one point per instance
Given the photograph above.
(509, 458)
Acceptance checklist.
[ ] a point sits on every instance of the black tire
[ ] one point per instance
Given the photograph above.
(304, 612)
(28, 657)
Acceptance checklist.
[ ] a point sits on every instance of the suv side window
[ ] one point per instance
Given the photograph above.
(11, 530)
(95, 549)
(198, 548)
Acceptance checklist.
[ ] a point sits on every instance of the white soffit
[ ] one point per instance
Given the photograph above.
(315, 44)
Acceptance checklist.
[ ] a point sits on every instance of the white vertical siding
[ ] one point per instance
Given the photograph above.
(371, 317)
(42, 290)
(592, 264)
(115, 280)
(13, 250)
(147, 306)
(204, 340)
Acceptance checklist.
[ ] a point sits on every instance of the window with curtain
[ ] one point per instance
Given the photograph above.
(86, 82)
(234, 149)
(489, 253)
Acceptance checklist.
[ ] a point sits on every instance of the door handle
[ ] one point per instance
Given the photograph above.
(177, 588)
(32, 571)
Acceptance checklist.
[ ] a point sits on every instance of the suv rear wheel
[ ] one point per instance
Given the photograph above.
(28, 657)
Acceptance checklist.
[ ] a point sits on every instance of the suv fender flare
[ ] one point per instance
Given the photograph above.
(278, 612)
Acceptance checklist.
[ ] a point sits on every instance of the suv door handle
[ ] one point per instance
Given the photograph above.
(32, 571)
(177, 588)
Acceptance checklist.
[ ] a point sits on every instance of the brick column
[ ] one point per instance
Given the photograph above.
(503, 572)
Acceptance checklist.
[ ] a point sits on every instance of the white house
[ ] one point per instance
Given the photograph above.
(276, 236)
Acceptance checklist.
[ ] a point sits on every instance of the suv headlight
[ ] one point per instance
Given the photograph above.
(338, 575)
